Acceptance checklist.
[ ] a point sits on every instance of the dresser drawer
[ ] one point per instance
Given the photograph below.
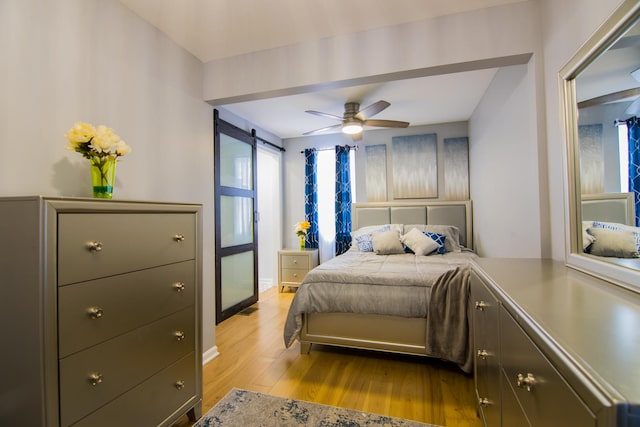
(486, 352)
(122, 363)
(92, 312)
(126, 242)
(149, 403)
(292, 275)
(550, 401)
(295, 261)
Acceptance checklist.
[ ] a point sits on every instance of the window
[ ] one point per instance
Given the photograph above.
(623, 144)
(326, 199)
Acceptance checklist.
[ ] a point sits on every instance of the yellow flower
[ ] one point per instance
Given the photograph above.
(104, 139)
(80, 133)
(122, 148)
(94, 142)
(302, 227)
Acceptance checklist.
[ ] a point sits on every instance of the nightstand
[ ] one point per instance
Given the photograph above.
(293, 265)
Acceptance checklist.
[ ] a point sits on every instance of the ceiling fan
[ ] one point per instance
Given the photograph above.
(354, 119)
(634, 108)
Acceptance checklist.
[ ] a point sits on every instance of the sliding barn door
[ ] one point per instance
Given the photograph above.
(236, 226)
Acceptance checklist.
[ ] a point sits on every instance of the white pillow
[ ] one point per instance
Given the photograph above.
(363, 241)
(587, 239)
(452, 233)
(418, 242)
(613, 243)
(387, 243)
(615, 227)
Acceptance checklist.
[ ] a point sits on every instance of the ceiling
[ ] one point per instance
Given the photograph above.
(214, 29)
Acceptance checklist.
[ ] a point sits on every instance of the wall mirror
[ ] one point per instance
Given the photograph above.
(601, 91)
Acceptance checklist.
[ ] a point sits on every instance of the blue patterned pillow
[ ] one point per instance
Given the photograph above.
(365, 244)
(439, 239)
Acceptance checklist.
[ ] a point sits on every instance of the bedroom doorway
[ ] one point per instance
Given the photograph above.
(269, 216)
(236, 228)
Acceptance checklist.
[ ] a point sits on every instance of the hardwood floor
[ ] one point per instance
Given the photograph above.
(253, 357)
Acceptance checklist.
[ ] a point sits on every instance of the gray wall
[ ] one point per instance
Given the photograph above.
(95, 61)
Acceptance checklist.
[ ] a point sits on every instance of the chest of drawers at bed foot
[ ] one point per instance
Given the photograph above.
(540, 391)
(95, 376)
(93, 312)
(94, 245)
(146, 404)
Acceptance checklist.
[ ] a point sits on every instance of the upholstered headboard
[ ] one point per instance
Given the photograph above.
(456, 213)
(609, 207)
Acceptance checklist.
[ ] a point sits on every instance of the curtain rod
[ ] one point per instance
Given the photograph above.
(618, 122)
(353, 147)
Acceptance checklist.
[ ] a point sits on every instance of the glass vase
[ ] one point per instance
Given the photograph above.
(103, 175)
(302, 243)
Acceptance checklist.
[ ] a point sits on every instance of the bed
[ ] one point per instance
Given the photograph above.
(399, 302)
(608, 228)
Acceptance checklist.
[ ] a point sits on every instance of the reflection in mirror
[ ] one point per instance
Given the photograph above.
(602, 106)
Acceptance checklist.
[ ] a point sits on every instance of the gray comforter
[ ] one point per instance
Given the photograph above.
(434, 287)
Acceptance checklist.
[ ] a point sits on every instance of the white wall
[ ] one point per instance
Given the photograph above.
(455, 39)
(95, 61)
(503, 166)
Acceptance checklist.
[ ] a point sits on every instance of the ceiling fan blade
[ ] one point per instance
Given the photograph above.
(634, 108)
(386, 123)
(320, 113)
(372, 110)
(323, 129)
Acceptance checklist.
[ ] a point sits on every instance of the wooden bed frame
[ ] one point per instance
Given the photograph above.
(378, 332)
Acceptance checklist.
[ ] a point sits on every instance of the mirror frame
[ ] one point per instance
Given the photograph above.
(609, 32)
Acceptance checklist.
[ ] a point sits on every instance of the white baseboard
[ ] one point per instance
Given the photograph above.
(210, 354)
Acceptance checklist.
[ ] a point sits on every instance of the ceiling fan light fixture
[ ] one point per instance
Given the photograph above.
(351, 127)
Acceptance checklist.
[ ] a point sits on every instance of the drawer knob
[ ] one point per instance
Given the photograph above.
(95, 312)
(482, 354)
(178, 286)
(527, 382)
(481, 305)
(295, 274)
(94, 246)
(484, 402)
(179, 335)
(95, 378)
(179, 237)
(295, 261)
(179, 384)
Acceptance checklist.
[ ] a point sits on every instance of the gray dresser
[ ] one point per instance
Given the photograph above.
(101, 314)
(553, 346)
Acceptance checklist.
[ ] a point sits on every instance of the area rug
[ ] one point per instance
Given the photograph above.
(248, 408)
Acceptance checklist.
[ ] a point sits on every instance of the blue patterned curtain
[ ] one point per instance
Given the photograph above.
(311, 196)
(633, 126)
(343, 200)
